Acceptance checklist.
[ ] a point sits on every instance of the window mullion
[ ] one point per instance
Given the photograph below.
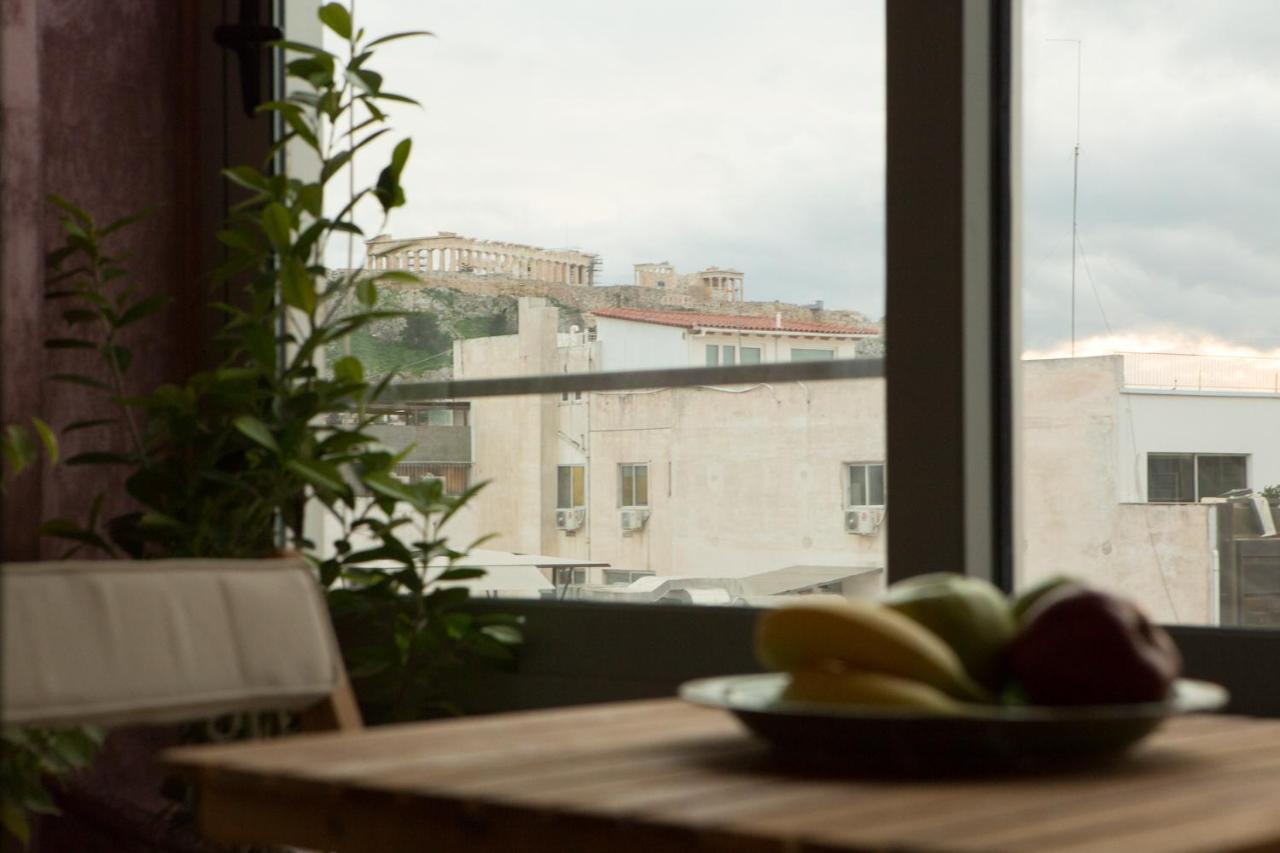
(949, 270)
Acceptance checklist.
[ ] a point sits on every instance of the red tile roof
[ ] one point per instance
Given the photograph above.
(696, 320)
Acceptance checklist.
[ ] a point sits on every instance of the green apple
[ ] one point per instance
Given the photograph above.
(969, 614)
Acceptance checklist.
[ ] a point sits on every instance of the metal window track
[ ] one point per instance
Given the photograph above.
(623, 380)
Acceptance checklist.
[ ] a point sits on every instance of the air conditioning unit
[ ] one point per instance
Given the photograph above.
(634, 519)
(862, 521)
(570, 519)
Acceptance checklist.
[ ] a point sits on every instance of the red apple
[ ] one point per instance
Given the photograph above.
(1079, 646)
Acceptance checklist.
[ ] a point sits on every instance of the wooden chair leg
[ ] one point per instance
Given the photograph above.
(338, 710)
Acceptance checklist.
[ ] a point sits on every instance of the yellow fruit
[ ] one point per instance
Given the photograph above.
(861, 688)
(861, 636)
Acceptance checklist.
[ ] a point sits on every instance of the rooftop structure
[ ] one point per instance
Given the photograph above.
(635, 339)
(697, 321)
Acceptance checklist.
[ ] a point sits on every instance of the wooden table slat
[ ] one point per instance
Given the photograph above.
(663, 775)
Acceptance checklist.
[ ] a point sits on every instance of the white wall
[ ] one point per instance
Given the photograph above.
(1202, 423)
(625, 345)
(1075, 487)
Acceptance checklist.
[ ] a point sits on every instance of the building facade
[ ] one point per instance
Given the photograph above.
(735, 481)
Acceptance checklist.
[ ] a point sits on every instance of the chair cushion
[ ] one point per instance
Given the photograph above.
(97, 641)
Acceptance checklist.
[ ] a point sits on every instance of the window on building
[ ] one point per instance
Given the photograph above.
(621, 576)
(1189, 477)
(749, 355)
(571, 487)
(864, 484)
(634, 484)
(728, 355)
(713, 355)
(811, 354)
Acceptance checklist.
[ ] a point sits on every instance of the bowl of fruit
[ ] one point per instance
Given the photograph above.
(944, 674)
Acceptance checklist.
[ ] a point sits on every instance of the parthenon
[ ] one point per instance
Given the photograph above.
(450, 252)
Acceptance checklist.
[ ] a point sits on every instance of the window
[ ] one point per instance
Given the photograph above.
(807, 354)
(947, 311)
(633, 485)
(571, 487)
(617, 576)
(865, 484)
(728, 354)
(749, 355)
(1189, 477)
(713, 355)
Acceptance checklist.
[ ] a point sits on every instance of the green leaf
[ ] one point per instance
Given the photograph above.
(394, 36)
(257, 431)
(76, 212)
(385, 484)
(461, 574)
(121, 356)
(367, 292)
(62, 528)
(238, 240)
(76, 426)
(142, 309)
(247, 177)
(299, 47)
(74, 316)
(100, 457)
(336, 17)
(276, 224)
(47, 438)
(86, 381)
(319, 474)
(505, 634)
(398, 275)
(124, 222)
(369, 81)
(15, 821)
(68, 343)
(349, 369)
(297, 287)
(389, 192)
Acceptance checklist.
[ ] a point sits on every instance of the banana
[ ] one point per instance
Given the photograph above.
(861, 636)
(867, 688)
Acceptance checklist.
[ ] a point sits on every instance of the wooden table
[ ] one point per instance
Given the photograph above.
(664, 776)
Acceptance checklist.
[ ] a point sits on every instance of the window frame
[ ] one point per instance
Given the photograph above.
(571, 467)
(1195, 458)
(952, 214)
(622, 480)
(848, 485)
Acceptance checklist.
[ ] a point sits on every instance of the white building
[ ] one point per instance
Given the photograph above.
(638, 339)
(733, 481)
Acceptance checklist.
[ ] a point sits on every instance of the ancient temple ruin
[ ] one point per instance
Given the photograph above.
(450, 252)
(713, 284)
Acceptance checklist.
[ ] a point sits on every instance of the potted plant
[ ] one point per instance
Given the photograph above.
(225, 463)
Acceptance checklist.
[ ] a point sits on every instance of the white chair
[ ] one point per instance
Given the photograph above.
(151, 641)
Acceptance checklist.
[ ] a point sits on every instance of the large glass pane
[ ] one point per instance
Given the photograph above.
(674, 198)
(740, 499)
(1150, 258)
(600, 191)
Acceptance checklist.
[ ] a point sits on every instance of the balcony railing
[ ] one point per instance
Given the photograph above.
(1184, 372)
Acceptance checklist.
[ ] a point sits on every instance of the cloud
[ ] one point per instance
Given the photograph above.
(750, 134)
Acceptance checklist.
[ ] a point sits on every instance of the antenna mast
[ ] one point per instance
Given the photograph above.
(1075, 192)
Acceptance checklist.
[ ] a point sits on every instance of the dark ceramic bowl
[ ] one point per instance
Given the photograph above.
(981, 739)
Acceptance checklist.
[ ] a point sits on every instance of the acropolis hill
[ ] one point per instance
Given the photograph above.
(569, 278)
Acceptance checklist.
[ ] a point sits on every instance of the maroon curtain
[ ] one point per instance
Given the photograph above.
(99, 104)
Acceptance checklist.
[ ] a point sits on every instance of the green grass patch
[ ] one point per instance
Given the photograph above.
(381, 357)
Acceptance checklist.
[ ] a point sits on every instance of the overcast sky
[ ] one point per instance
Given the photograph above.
(750, 134)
